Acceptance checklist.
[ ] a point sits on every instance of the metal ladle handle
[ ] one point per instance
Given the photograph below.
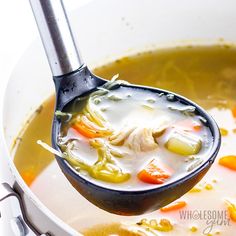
(56, 35)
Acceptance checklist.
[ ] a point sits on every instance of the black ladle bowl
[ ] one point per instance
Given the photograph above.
(125, 202)
(73, 79)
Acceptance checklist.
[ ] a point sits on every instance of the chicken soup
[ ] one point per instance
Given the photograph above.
(132, 139)
(206, 75)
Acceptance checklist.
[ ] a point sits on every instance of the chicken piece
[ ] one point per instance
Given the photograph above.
(119, 137)
(141, 140)
(138, 139)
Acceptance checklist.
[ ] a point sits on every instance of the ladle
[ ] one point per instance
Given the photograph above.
(72, 79)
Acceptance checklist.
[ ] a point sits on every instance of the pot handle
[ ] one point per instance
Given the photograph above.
(20, 225)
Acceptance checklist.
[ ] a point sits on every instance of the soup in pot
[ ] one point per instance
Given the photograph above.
(206, 75)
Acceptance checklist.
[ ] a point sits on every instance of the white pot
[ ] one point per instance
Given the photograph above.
(106, 30)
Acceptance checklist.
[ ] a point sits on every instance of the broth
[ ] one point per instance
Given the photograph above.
(132, 139)
(206, 75)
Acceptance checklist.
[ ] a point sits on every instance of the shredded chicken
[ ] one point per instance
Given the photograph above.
(138, 139)
(119, 137)
(141, 140)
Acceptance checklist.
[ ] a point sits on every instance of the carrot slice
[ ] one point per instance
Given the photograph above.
(189, 125)
(89, 129)
(153, 174)
(174, 206)
(85, 131)
(233, 110)
(28, 177)
(228, 162)
(197, 127)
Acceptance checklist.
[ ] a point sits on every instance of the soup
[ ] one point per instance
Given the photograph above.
(206, 75)
(132, 139)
